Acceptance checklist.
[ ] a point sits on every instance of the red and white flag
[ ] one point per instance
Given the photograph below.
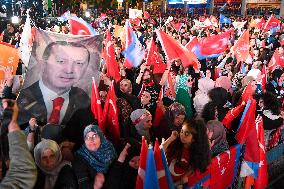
(161, 174)
(272, 22)
(214, 44)
(96, 106)
(110, 118)
(232, 114)
(146, 15)
(142, 165)
(154, 58)
(214, 21)
(174, 50)
(109, 56)
(262, 178)
(274, 61)
(241, 47)
(159, 114)
(191, 44)
(223, 168)
(176, 25)
(78, 26)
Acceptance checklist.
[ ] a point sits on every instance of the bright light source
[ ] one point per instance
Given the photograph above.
(87, 14)
(15, 20)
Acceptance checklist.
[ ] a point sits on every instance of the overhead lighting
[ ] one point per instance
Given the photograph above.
(15, 19)
(87, 14)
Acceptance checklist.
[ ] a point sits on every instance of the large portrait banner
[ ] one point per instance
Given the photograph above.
(59, 77)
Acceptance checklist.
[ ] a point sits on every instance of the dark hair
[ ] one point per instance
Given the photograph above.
(219, 96)
(199, 150)
(271, 102)
(208, 112)
(48, 48)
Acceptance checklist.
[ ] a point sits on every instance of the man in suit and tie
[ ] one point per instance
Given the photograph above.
(54, 99)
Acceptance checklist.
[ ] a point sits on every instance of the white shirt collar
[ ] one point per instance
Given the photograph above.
(49, 95)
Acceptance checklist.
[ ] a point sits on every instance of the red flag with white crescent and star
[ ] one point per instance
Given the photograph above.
(214, 44)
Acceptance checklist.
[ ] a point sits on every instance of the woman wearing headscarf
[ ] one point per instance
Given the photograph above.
(93, 159)
(139, 125)
(183, 93)
(201, 96)
(125, 168)
(172, 121)
(217, 137)
(53, 171)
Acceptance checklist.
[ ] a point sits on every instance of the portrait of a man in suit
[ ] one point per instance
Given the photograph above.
(54, 98)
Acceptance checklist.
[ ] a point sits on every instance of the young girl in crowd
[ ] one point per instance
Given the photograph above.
(187, 151)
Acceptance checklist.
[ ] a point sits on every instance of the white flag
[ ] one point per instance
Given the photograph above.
(25, 46)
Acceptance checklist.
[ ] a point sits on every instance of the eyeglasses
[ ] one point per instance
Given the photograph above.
(186, 133)
(189, 80)
(92, 138)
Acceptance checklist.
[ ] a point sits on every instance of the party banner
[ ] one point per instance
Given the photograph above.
(59, 77)
(9, 59)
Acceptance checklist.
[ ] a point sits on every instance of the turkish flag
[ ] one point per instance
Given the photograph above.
(247, 93)
(110, 118)
(262, 179)
(191, 44)
(274, 61)
(241, 47)
(96, 106)
(174, 50)
(159, 114)
(109, 55)
(152, 22)
(160, 167)
(260, 23)
(214, 44)
(154, 58)
(135, 21)
(80, 27)
(214, 21)
(247, 123)
(232, 114)
(223, 168)
(271, 23)
(142, 165)
(176, 25)
(146, 15)
(153, 55)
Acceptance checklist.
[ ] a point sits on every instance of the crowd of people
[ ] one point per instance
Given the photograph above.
(76, 153)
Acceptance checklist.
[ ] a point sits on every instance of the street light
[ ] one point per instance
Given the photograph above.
(15, 20)
(87, 14)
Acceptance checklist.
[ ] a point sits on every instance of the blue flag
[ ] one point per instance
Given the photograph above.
(273, 30)
(151, 178)
(224, 19)
(167, 171)
(222, 8)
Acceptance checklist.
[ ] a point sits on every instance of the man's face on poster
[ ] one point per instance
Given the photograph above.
(64, 67)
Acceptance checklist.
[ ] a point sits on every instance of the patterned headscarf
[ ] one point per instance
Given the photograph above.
(183, 96)
(101, 159)
(174, 110)
(138, 118)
